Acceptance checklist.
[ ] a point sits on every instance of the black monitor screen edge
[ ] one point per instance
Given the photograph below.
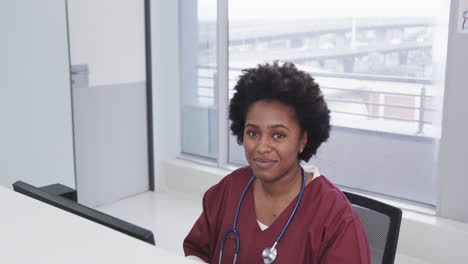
(85, 212)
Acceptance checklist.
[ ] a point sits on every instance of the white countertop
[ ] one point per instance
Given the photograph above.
(34, 232)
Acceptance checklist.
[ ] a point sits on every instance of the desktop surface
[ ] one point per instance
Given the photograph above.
(34, 232)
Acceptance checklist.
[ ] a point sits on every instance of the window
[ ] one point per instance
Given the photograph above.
(376, 68)
(198, 69)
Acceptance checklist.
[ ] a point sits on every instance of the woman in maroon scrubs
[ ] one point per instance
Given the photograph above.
(281, 213)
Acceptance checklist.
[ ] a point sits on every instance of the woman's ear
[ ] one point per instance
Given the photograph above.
(303, 141)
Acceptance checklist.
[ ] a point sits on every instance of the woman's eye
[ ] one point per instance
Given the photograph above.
(278, 135)
(251, 133)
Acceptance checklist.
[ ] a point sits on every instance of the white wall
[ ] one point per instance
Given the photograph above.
(453, 174)
(111, 142)
(102, 34)
(36, 143)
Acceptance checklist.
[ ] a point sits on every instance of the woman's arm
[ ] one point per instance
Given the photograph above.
(347, 245)
(198, 241)
(202, 238)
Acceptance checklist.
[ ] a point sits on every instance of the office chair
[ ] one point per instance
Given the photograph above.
(382, 225)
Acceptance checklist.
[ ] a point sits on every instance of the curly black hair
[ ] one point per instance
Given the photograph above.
(289, 86)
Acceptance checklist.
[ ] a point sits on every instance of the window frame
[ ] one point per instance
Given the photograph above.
(443, 184)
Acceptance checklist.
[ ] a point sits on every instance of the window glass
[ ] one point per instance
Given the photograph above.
(375, 66)
(197, 43)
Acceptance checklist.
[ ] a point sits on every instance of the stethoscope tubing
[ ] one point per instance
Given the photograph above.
(234, 230)
(294, 210)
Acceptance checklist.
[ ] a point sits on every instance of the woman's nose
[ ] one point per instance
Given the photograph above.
(264, 145)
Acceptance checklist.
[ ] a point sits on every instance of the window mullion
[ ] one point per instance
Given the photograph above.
(221, 89)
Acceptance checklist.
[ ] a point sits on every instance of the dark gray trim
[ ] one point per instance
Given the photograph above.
(71, 95)
(149, 94)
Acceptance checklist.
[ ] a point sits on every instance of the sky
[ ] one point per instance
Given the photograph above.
(303, 9)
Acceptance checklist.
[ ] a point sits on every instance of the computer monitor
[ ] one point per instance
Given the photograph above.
(84, 211)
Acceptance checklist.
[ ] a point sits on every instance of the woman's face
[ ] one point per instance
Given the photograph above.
(272, 140)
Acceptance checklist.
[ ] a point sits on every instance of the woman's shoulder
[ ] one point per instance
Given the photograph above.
(237, 179)
(331, 199)
(338, 222)
(240, 174)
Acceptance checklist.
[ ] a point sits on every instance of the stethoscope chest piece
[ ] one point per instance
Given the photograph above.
(269, 255)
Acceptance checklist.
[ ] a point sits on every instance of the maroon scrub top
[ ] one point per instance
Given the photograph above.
(325, 228)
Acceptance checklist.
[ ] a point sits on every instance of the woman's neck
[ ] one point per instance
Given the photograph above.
(285, 187)
(272, 198)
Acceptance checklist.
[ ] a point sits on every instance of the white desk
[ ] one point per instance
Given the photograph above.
(34, 232)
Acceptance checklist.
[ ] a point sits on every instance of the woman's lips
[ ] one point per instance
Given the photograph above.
(264, 163)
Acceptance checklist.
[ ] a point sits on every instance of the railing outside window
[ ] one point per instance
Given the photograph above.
(397, 104)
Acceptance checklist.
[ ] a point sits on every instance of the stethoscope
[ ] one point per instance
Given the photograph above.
(268, 254)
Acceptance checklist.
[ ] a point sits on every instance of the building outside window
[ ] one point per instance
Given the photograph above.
(375, 65)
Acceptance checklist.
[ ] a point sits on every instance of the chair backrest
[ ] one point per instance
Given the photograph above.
(382, 225)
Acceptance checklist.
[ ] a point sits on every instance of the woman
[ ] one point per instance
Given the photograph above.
(272, 210)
